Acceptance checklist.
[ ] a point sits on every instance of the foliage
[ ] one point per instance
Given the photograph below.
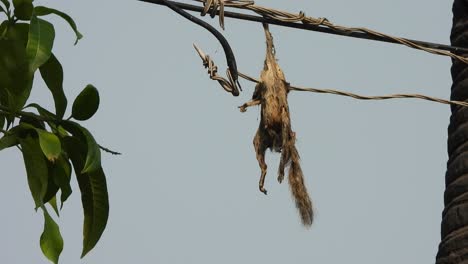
(50, 144)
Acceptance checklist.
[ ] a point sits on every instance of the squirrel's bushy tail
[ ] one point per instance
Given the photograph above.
(290, 159)
(298, 189)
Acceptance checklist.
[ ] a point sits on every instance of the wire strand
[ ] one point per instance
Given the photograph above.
(312, 27)
(226, 84)
(283, 16)
(363, 97)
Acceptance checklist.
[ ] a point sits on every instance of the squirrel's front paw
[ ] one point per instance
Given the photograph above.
(243, 108)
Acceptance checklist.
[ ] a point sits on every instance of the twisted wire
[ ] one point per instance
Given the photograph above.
(363, 97)
(228, 85)
(284, 16)
(212, 6)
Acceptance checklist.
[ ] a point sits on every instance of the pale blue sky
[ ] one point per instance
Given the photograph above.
(185, 190)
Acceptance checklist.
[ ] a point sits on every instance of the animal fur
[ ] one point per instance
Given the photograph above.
(275, 132)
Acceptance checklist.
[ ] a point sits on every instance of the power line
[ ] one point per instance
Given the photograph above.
(317, 28)
(226, 84)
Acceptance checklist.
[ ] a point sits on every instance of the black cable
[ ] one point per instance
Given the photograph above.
(361, 35)
(231, 60)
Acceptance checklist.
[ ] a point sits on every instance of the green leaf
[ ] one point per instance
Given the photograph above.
(51, 240)
(22, 130)
(42, 111)
(8, 141)
(61, 172)
(31, 122)
(6, 3)
(52, 73)
(36, 168)
(95, 201)
(51, 193)
(61, 131)
(86, 103)
(2, 121)
(53, 204)
(52, 188)
(93, 153)
(42, 11)
(23, 9)
(18, 31)
(94, 194)
(3, 28)
(50, 144)
(15, 78)
(4, 100)
(40, 42)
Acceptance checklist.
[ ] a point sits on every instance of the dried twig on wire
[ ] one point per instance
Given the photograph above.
(227, 85)
(283, 16)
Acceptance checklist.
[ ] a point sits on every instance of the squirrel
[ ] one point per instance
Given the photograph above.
(274, 131)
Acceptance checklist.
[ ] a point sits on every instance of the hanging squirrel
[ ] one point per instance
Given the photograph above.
(275, 131)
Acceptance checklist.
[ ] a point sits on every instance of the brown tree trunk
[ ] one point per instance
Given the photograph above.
(453, 249)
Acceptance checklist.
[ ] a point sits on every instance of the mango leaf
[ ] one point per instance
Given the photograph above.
(23, 9)
(6, 3)
(52, 73)
(22, 131)
(95, 201)
(56, 129)
(52, 189)
(7, 65)
(51, 192)
(94, 196)
(42, 111)
(3, 28)
(51, 240)
(18, 31)
(86, 103)
(8, 141)
(36, 168)
(2, 121)
(42, 11)
(53, 204)
(59, 130)
(40, 42)
(31, 122)
(4, 100)
(15, 78)
(61, 172)
(50, 144)
(93, 153)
